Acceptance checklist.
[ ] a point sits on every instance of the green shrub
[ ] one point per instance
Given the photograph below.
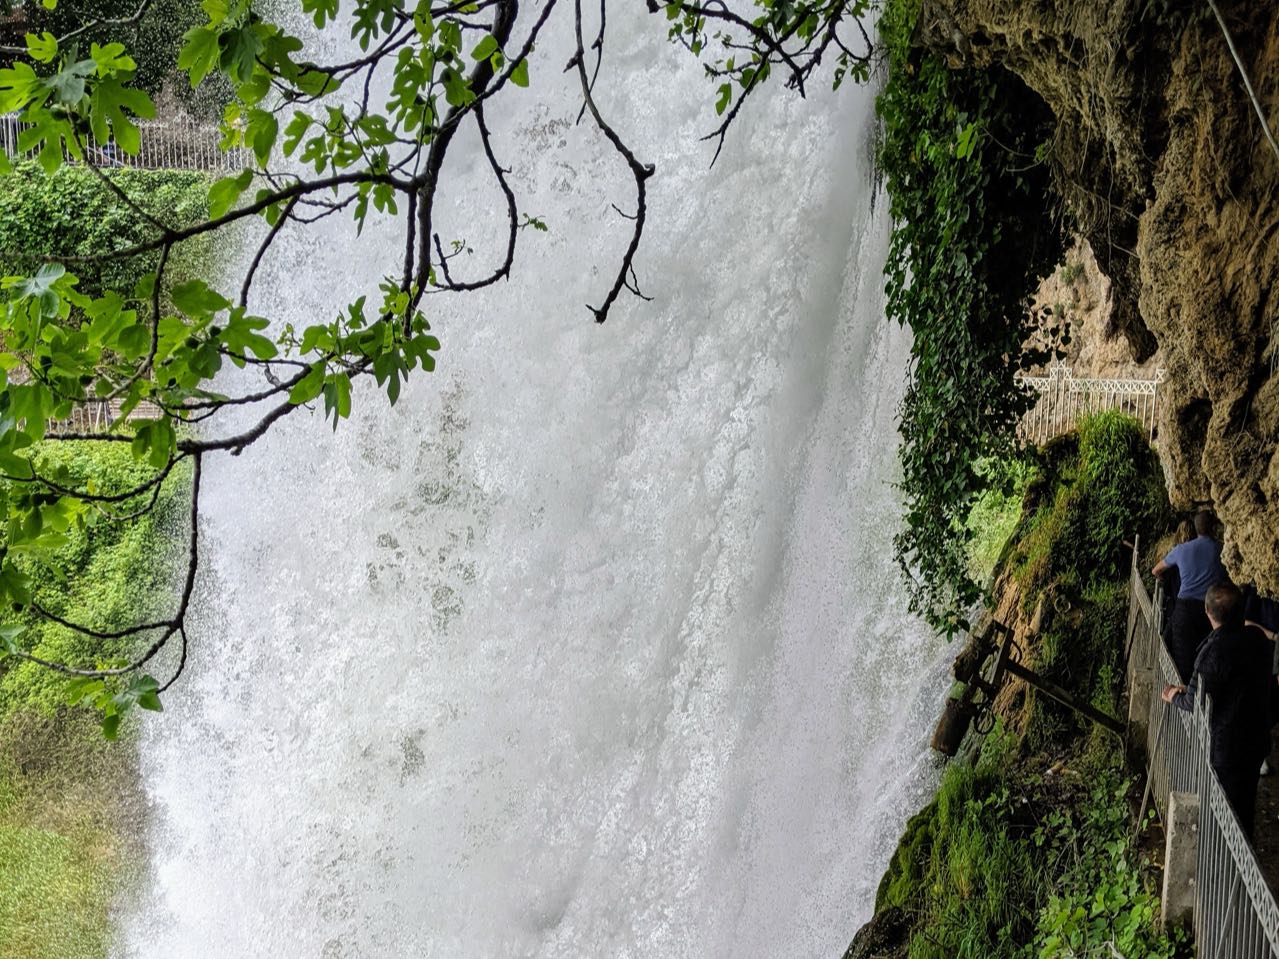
(124, 574)
(1102, 902)
(995, 515)
(1071, 272)
(72, 213)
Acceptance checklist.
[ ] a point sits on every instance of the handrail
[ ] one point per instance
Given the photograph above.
(1178, 745)
(1062, 398)
(175, 143)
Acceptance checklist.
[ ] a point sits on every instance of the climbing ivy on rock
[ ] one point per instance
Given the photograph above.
(973, 232)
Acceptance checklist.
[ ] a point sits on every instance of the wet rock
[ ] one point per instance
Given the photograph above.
(886, 936)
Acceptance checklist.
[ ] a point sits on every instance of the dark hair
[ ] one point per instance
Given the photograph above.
(1204, 523)
(1224, 603)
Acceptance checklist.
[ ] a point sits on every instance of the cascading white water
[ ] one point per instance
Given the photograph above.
(592, 645)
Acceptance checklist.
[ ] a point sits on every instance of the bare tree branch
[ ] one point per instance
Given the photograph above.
(640, 171)
(92, 24)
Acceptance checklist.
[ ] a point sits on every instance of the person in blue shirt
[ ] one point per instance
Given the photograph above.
(1171, 580)
(1198, 562)
(1233, 668)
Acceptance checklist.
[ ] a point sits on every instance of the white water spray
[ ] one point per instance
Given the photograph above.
(592, 645)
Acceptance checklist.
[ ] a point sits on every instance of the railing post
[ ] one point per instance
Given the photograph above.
(1181, 855)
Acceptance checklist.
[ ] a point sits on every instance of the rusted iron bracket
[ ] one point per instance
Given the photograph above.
(973, 707)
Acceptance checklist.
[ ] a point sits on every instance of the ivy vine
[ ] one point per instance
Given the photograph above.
(974, 231)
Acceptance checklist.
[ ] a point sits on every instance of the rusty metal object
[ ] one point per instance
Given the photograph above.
(974, 706)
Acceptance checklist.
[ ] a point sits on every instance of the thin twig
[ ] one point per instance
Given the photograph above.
(1247, 84)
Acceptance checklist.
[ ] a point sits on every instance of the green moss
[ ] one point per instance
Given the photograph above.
(960, 869)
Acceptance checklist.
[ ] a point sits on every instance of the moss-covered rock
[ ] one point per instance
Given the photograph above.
(1031, 823)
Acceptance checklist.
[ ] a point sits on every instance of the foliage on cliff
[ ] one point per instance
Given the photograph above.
(68, 798)
(972, 235)
(70, 214)
(1028, 850)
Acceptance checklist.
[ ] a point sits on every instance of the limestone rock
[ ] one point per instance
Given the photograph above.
(1160, 157)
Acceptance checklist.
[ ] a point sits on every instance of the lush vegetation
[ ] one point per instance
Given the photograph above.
(156, 35)
(102, 573)
(1035, 866)
(972, 235)
(1097, 487)
(71, 213)
(994, 514)
(68, 798)
(1028, 849)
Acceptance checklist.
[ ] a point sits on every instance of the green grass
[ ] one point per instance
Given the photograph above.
(52, 891)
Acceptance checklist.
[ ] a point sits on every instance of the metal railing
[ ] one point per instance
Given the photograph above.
(1063, 399)
(1236, 916)
(90, 416)
(97, 416)
(175, 143)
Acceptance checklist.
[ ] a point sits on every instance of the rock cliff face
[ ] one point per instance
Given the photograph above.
(1081, 293)
(1161, 159)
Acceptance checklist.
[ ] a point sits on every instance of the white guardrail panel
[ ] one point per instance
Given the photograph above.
(1064, 399)
(174, 143)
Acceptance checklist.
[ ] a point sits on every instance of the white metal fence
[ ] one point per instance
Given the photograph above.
(97, 416)
(91, 416)
(1063, 399)
(176, 143)
(1236, 916)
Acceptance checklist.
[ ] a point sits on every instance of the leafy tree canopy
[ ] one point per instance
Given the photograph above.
(152, 31)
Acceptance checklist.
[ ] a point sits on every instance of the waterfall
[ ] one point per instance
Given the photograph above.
(593, 645)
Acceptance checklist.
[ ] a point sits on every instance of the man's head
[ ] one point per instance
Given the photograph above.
(1205, 522)
(1224, 605)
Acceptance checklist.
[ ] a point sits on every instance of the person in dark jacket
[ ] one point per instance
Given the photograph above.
(1199, 564)
(1233, 668)
(1263, 612)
